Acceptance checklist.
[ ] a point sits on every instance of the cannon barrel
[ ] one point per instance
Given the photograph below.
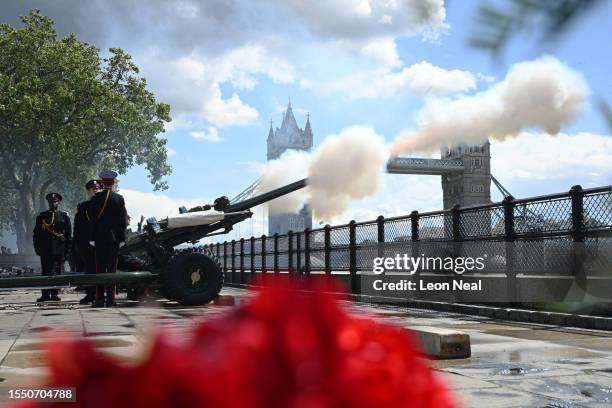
(267, 196)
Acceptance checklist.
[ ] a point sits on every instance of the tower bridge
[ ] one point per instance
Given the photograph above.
(465, 171)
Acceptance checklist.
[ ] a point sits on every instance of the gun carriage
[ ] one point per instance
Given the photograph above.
(151, 258)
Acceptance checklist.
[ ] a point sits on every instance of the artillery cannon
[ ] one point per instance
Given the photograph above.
(149, 259)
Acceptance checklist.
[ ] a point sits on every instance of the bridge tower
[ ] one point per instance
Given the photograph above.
(289, 136)
(472, 186)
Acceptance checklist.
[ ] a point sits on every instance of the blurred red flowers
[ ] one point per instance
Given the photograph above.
(285, 348)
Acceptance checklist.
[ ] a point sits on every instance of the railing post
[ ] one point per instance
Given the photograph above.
(225, 258)
(298, 258)
(290, 252)
(233, 261)
(415, 246)
(577, 196)
(307, 251)
(510, 237)
(456, 230)
(455, 214)
(276, 253)
(414, 223)
(327, 248)
(263, 254)
(509, 232)
(252, 276)
(380, 227)
(242, 261)
(353, 257)
(218, 250)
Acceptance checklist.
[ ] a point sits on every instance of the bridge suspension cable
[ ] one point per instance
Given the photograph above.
(247, 192)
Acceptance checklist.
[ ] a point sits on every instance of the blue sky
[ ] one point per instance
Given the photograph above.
(233, 66)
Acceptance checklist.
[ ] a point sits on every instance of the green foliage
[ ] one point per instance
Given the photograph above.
(496, 25)
(66, 113)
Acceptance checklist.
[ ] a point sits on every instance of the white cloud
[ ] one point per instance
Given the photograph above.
(538, 158)
(421, 78)
(178, 122)
(383, 50)
(212, 135)
(191, 84)
(191, 49)
(360, 38)
(226, 112)
(360, 19)
(170, 151)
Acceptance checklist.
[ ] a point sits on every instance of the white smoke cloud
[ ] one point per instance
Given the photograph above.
(543, 94)
(291, 166)
(345, 167)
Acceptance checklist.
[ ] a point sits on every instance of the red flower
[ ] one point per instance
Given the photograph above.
(285, 348)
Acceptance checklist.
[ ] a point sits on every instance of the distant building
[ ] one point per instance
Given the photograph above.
(289, 137)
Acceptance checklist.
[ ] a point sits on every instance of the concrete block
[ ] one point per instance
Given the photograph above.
(501, 313)
(602, 323)
(442, 343)
(224, 300)
(557, 319)
(540, 317)
(519, 315)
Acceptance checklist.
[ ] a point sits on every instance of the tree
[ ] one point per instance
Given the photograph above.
(65, 113)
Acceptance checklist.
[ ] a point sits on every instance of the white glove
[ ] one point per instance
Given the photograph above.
(121, 244)
(92, 243)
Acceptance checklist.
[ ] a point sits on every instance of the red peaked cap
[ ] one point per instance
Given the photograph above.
(54, 197)
(93, 184)
(108, 177)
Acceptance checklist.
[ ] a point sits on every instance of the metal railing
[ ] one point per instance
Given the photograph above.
(548, 224)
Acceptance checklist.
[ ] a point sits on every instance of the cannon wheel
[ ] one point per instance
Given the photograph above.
(192, 278)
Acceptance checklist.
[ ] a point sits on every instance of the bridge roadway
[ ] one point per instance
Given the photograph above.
(512, 364)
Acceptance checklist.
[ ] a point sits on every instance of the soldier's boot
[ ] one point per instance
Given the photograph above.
(110, 296)
(54, 297)
(99, 297)
(90, 296)
(85, 300)
(45, 297)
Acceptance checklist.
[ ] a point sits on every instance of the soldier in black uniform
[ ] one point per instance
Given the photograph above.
(83, 252)
(109, 222)
(52, 239)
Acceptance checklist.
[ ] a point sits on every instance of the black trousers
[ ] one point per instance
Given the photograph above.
(107, 253)
(86, 262)
(51, 265)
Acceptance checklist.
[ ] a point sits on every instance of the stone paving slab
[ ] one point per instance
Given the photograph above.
(512, 364)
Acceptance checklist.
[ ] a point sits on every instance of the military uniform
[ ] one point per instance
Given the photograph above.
(85, 261)
(109, 223)
(84, 253)
(52, 240)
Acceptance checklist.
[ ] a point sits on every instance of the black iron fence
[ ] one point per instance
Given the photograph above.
(544, 232)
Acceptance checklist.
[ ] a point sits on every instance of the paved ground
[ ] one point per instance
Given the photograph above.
(512, 364)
